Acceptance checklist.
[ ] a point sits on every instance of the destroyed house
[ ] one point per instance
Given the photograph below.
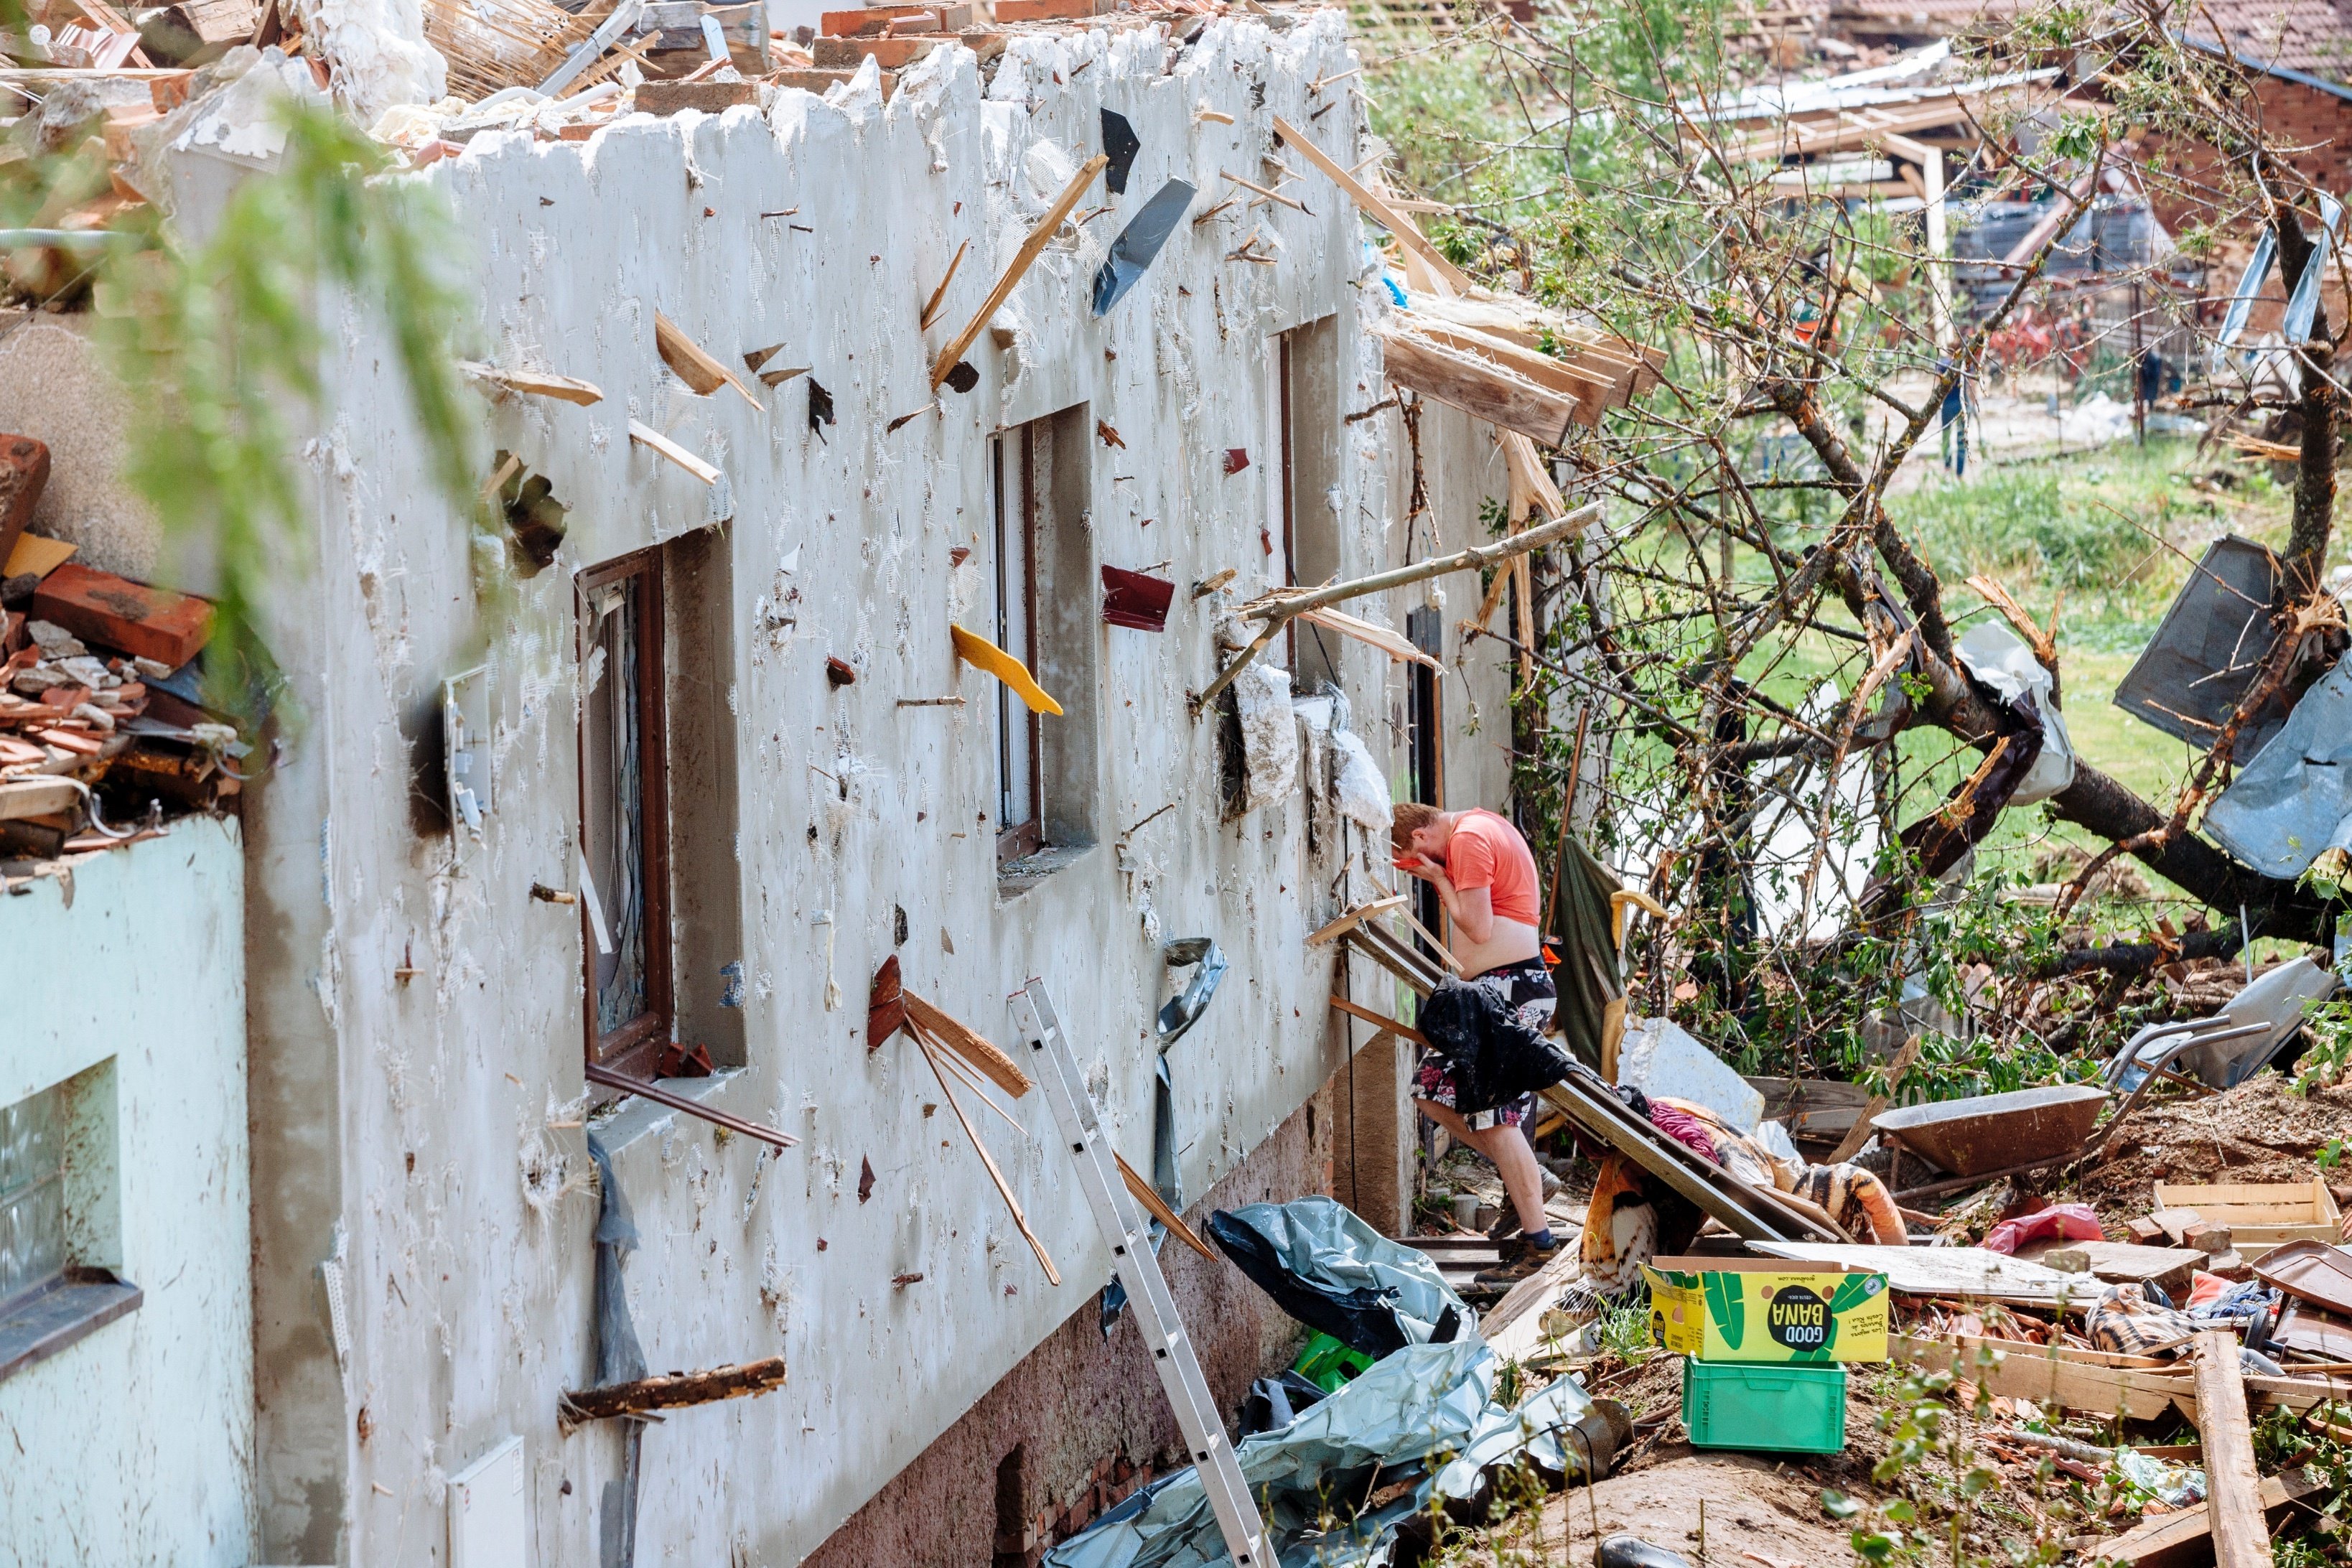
(832, 609)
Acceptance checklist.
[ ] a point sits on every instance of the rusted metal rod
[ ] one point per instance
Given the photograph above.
(661, 1096)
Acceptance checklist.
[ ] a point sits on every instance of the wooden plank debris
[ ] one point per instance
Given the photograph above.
(645, 436)
(1479, 384)
(2032, 1371)
(566, 389)
(968, 1044)
(939, 295)
(1348, 919)
(1023, 259)
(696, 366)
(1146, 1195)
(1278, 609)
(2241, 1539)
(2184, 1539)
(1003, 1187)
(1356, 1010)
(670, 1391)
(1391, 643)
(1859, 1134)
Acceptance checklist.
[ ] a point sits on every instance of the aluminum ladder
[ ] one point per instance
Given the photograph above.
(1138, 1270)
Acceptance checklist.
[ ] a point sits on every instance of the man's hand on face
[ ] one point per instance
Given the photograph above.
(1415, 864)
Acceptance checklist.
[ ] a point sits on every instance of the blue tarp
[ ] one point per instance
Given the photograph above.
(1427, 1415)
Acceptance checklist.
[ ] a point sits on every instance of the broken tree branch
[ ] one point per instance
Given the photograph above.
(1278, 610)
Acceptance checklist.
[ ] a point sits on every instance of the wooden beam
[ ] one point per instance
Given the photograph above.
(671, 1391)
(1374, 207)
(1023, 259)
(2031, 1372)
(2241, 1539)
(1404, 1031)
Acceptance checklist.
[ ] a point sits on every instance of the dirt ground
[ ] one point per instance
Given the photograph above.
(1752, 1504)
(2255, 1133)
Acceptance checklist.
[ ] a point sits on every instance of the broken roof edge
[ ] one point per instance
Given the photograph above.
(2283, 73)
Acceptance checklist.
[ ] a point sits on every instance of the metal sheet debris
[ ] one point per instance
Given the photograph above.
(2293, 802)
(1328, 1269)
(2209, 647)
(1131, 253)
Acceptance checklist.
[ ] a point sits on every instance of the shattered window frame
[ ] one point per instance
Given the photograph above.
(1020, 737)
(630, 1043)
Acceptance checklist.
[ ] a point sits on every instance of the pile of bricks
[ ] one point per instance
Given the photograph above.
(96, 690)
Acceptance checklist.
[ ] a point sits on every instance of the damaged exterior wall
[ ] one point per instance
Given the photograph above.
(423, 1128)
(1078, 1422)
(133, 1444)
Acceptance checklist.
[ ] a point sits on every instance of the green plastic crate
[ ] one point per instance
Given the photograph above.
(1329, 1364)
(1765, 1405)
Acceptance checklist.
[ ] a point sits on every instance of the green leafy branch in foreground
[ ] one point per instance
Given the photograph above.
(219, 343)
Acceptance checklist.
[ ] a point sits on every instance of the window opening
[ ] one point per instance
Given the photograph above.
(1019, 736)
(625, 816)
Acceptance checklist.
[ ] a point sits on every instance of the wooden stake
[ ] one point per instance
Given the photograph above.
(1859, 1134)
(1023, 259)
(645, 436)
(2241, 1537)
(566, 389)
(939, 294)
(1004, 1188)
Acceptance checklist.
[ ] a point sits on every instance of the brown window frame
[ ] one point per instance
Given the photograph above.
(1017, 839)
(635, 1044)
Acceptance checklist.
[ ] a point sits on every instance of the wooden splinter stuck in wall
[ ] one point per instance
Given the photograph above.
(564, 388)
(671, 1391)
(1017, 268)
(647, 435)
(694, 365)
(953, 1050)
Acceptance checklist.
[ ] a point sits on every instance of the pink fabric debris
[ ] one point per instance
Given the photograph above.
(2059, 1221)
(1682, 1127)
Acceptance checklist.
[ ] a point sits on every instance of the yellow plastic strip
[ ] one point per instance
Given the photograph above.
(983, 654)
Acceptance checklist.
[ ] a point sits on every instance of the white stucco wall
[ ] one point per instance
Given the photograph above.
(432, 1133)
(133, 1445)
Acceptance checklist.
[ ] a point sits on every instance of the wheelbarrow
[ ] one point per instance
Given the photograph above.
(1990, 1133)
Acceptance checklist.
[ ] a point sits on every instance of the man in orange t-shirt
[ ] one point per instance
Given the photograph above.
(1485, 876)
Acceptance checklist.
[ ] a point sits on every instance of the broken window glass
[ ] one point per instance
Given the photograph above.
(1018, 739)
(624, 831)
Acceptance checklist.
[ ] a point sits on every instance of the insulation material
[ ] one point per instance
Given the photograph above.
(1269, 735)
(380, 54)
(1999, 659)
(1363, 793)
(1658, 1057)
